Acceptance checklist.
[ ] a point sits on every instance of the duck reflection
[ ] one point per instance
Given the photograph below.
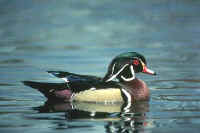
(118, 117)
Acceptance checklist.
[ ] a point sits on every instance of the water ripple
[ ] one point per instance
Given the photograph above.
(181, 80)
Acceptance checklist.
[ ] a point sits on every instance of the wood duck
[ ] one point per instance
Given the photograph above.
(86, 88)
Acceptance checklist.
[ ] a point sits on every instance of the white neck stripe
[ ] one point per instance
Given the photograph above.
(128, 98)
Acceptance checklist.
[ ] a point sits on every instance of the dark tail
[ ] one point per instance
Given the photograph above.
(47, 89)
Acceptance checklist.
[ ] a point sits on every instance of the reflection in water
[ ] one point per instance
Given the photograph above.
(117, 118)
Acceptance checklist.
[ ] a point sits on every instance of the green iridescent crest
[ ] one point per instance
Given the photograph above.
(131, 55)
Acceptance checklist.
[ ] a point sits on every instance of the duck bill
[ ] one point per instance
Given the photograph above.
(148, 71)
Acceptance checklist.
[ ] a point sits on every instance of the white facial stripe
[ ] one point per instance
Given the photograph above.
(133, 75)
(114, 76)
(113, 68)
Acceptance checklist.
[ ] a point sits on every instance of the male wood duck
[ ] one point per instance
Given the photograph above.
(85, 88)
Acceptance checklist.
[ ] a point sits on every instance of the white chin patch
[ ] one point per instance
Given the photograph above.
(132, 73)
(115, 75)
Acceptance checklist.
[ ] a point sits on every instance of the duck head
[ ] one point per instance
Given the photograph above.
(124, 66)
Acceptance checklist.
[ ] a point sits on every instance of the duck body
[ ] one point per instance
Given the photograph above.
(83, 88)
(78, 88)
(86, 88)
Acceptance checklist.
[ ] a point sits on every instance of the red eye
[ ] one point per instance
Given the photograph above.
(136, 62)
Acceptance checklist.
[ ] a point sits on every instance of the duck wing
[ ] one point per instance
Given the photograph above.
(78, 83)
(71, 77)
(74, 83)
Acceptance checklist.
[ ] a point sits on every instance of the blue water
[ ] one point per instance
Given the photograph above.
(83, 37)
